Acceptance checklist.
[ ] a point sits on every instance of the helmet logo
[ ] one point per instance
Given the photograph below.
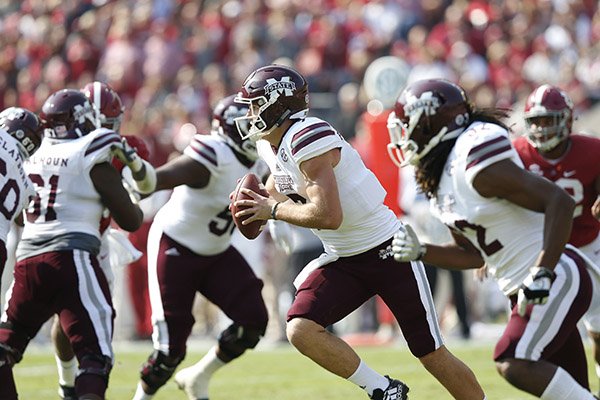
(80, 112)
(13, 113)
(275, 88)
(427, 102)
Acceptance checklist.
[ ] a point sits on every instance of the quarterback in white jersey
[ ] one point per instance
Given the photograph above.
(57, 270)
(190, 251)
(515, 222)
(318, 181)
(367, 222)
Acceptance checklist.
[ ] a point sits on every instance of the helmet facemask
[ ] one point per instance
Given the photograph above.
(427, 113)
(252, 125)
(404, 148)
(234, 132)
(546, 136)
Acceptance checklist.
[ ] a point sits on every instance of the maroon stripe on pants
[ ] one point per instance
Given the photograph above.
(566, 348)
(48, 284)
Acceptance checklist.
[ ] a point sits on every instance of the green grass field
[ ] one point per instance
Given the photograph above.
(278, 373)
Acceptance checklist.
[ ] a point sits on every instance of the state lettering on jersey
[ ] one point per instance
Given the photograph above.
(284, 183)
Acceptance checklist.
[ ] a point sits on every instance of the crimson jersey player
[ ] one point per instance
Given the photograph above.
(550, 149)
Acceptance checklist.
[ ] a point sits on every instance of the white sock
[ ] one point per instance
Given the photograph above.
(598, 370)
(563, 386)
(367, 379)
(140, 394)
(67, 371)
(208, 364)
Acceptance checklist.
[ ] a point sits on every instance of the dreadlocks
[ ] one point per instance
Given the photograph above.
(429, 170)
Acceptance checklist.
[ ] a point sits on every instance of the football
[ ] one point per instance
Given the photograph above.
(249, 181)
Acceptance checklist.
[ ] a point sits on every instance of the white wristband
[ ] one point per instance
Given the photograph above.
(146, 184)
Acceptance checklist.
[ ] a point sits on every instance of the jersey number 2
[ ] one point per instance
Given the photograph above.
(488, 248)
(35, 211)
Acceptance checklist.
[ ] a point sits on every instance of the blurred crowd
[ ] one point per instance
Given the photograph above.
(172, 60)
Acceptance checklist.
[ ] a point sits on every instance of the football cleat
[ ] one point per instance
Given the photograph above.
(396, 390)
(194, 384)
(67, 392)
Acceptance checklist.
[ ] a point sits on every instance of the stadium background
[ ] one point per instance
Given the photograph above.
(170, 61)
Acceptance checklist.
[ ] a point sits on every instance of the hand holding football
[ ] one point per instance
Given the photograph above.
(249, 181)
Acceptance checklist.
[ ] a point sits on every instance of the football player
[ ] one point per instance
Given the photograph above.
(515, 222)
(20, 137)
(319, 181)
(549, 149)
(190, 251)
(57, 270)
(110, 113)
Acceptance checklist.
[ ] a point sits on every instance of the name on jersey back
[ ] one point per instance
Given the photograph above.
(54, 161)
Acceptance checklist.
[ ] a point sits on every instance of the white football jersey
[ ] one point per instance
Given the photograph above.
(15, 187)
(66, 200)
(508, 237)
(200, 219)
(367, 222)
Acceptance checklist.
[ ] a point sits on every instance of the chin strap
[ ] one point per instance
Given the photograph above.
(283, 117)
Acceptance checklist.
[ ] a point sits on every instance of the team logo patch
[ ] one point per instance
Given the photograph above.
(536, 169)
(275, 88)
(283, 155)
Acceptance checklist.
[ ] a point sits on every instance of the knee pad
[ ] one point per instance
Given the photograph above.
(94, 364)
(158, 369)
(236, 339)
(9, 354)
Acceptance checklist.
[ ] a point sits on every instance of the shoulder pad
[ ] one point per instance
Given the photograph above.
(312, 137)
(101, 140)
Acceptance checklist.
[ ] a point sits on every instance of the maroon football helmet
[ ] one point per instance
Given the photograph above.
(427, 112)
(273, 94)
(224, 124)
(68, 114)
(107, 102)
(549, 117)
(24, 126)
